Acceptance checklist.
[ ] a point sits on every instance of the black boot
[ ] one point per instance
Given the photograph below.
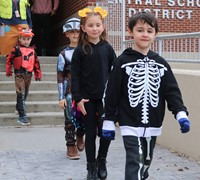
(92, 171)
(101, 166)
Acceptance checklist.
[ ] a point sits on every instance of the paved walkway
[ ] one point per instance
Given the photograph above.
(39, 153)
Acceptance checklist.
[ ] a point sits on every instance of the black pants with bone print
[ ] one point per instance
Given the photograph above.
(139, 154)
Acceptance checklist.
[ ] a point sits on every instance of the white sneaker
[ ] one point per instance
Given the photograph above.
(23, 121)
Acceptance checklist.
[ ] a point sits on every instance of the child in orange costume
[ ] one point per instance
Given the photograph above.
(25, 61)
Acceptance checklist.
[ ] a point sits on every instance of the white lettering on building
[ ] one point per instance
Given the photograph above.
(163, 13)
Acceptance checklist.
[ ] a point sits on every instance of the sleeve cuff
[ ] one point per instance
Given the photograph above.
(181, 114)
(108, 125)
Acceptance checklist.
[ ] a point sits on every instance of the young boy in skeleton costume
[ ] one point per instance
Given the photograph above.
(71, 29)
(140, 83)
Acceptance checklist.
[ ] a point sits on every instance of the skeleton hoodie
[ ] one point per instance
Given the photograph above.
(138, 89)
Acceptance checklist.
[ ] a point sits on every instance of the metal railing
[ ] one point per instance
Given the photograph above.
(183, 47)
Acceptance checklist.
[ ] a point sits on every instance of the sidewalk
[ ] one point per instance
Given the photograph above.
(39, 153)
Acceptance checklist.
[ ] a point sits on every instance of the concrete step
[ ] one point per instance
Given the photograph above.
(33, 96)
(48, 67)
(31, 106)
(35, 85)
(44, 67)
(2, 59)
(46, 76)
(2, 68)
(42, 59)
(48, 59)
(39, 118)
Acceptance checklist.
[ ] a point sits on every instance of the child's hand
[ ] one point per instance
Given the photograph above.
(108, 130)
(53, 12)
(63, 103)
(185, 125)
(9, 74)
(108, 134)
(82, 107)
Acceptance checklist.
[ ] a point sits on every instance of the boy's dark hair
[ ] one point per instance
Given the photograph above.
(145, 17)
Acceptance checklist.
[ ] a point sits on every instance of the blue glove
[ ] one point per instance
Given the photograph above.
(185, 125)
(108, 134)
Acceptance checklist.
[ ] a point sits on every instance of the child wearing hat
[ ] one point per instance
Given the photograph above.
(73, 131)
(24, 61)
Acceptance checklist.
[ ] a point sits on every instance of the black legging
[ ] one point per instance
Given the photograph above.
(93, 126)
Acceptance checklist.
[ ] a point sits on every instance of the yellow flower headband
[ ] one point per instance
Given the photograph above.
(85, 11)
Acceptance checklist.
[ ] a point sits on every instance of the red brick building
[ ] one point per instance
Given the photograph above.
(174, 16)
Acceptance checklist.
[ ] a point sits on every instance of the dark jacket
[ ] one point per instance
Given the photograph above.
(138, 88)
(90, 71)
